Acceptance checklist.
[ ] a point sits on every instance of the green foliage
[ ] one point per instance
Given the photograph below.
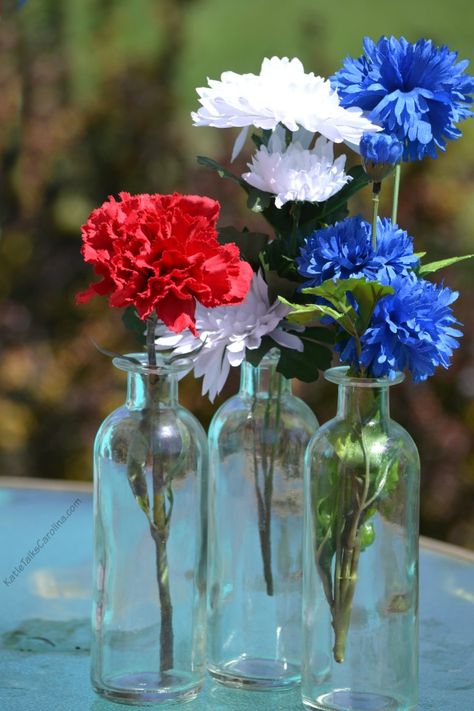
(262, 139)
(279, 256)
(339, 306)
(279, 286)
(134, 323)
(314, 357)
(441, 264)
(304, 365)
(255, 355)
(249, 243)
(366, 535)
(220, 170)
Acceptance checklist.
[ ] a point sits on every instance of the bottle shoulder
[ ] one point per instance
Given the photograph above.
(238, 410)
(391, 435)
(123, 423)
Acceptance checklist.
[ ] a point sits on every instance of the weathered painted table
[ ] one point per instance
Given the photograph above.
(45, 601)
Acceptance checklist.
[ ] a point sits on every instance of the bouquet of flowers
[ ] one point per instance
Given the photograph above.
(325, 282)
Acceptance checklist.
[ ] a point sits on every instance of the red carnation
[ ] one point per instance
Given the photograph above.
(160, 252)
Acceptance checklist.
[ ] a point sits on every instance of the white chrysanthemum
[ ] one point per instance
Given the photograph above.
(225, 332)
(281, 93)
(294, 173)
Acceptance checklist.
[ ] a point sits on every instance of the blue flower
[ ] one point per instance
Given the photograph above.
(415, 91)
(379, 153)
(412, 329)
(345, 250)
(381, 148)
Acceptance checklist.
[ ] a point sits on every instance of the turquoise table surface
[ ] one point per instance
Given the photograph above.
(44, 614)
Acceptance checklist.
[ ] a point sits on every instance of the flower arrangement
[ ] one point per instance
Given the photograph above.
(343, 284)
(322, 282)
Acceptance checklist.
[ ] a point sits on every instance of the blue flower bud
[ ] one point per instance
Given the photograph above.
(380, 152)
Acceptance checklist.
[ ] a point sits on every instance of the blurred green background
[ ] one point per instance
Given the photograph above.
(95, 97)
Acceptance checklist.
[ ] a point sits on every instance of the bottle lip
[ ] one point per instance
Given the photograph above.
(339, 376)
(138, 363)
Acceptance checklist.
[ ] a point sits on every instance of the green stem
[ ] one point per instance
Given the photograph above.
(375, 211)
(159, 526)
(396, 191)
(296, 214)
(262, 519)
(150, 340)
(264, 497)
(160, 531)
(268, 491)
(348, 551)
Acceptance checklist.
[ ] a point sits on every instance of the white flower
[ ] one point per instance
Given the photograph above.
(297, 174)
(281, 93)
(225, 332)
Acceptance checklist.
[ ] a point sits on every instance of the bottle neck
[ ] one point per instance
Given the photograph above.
(149, 390)
(367, 405)
(263, 380)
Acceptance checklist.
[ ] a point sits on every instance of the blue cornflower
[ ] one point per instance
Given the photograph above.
(380, 152)
(415, 91)
(345, 250)
(412, 329)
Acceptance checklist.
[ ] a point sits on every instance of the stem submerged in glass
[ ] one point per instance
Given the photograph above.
(264, 490)
(160, 516)
(355, 489)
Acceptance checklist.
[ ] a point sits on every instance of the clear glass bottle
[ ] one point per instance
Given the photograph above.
(360, 586)
(150, 524)
(257, 441)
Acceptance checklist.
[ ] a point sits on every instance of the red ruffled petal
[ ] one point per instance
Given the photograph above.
(160, 253)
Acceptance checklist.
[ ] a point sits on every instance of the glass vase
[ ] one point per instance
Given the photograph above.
(257, 441)
(360, 587)
(150, 526)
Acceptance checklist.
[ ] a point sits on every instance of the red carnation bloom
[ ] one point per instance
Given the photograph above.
(160, 252)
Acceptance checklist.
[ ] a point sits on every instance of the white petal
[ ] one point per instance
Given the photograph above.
(288, 340)
(298, 174)
(235, 357)
(239, 143)
(281, 94)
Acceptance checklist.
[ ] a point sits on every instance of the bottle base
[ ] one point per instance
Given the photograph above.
(347, 700)
(149, 688)
(257, 673)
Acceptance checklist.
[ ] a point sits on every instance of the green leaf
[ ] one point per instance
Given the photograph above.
(435, 266)
(305, 313)
(340, 309)
(136, 462)
(254, 356)
(261, 140)
(250, 244)
(320, 334)
(334, 291)
(368, 294)
(257, 200)
(134, 323)
(304, 365)
(220, 170)
(355, 322)
(279, 286)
